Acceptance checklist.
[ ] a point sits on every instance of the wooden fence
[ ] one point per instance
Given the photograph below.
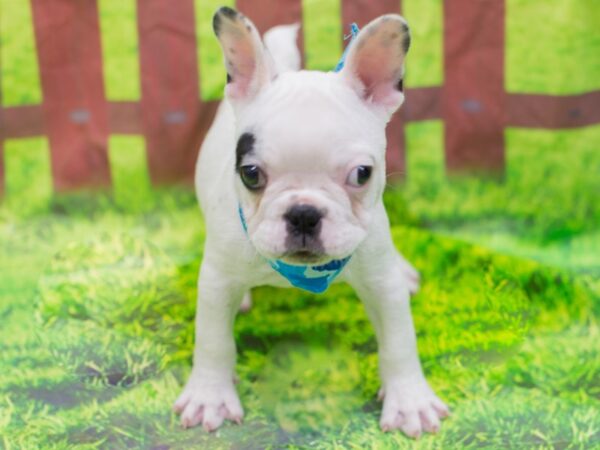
(77, 118)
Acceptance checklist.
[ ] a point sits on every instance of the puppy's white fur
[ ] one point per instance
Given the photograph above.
(311, 130)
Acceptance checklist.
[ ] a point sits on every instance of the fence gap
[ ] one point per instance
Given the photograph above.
(28, 175)
(322, 29)
(210, 60)
(19, 74)
(424, 64)
(129, 168)
(120, 50)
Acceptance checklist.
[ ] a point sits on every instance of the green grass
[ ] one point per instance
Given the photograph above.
(98, 334)
(97, 291)
(98, 304)
(545, 208)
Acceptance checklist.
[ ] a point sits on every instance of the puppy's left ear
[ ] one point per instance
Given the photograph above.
(374, 66)
(249, 66)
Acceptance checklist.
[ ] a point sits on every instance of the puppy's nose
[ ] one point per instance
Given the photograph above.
(303, 219)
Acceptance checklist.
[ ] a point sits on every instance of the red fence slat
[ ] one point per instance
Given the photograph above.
(77, 119)
(545, 111)
(125, 118)
(422, 103)
(74, 108)
(362, 12)
(474, 99)
(171, 114)
(266, 14)
(22, 121)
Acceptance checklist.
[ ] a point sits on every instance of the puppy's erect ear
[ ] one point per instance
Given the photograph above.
(374, 66)
(248, 65)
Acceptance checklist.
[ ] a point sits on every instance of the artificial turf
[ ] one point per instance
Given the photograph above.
(97, 290)
(98, 306)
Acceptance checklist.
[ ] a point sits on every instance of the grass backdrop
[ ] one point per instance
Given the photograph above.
(97, 291)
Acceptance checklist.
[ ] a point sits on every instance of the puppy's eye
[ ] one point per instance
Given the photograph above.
(252, 177)
(359, 176)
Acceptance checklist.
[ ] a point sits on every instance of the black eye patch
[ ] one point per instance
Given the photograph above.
(245, 146)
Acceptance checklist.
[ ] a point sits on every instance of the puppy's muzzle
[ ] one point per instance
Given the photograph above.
(303, 227)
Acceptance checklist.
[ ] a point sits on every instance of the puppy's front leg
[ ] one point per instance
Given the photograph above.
(209, 396)
(382, 283)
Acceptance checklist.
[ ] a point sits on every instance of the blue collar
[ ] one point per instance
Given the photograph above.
(353, 33)
(315, 279)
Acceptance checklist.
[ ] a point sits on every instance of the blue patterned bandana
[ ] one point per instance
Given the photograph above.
(315, 279)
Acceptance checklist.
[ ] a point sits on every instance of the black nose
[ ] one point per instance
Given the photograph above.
(303, 219)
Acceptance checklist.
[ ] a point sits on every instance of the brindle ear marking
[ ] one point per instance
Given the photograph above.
(217, 18)
(406, 40)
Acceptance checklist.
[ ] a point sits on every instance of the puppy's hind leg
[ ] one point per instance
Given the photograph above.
(413, 279)
(246, 303)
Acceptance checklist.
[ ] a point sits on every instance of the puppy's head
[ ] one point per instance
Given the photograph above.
(310, 156)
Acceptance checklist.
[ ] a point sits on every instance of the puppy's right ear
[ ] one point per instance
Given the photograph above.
(374, 67)
(248, 65)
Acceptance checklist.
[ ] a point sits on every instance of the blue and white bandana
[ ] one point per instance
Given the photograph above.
(315, 279)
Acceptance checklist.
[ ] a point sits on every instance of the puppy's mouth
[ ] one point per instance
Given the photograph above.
(303, 248)
(304, 256)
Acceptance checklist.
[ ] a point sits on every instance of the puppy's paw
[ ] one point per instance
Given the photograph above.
(208, 402)
(412, 407)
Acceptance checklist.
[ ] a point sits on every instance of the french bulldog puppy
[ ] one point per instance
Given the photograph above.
(290, 180)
